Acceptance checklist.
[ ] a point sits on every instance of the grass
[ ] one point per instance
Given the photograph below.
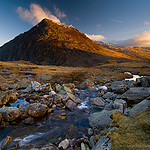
(132, 133)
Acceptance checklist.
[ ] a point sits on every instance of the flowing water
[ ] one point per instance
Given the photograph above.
(50, 128)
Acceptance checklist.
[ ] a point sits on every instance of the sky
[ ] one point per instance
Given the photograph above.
(124, 22)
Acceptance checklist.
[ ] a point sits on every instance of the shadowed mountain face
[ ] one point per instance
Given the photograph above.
(57, 44)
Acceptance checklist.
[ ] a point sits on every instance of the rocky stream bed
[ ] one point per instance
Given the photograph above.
(38, 116)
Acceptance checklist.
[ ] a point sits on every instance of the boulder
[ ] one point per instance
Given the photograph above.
(10, 113)
(100, 120)
(98, 102)
(109, 95)
(140, 107)
(103, 144)
(64, 144)
(143, 82)
(86, 84)
(5, 97)
(136, 95)
(73, 98)
(118, 87)
(120, 104)
(37, 109)
(32, 86)
(43, 88)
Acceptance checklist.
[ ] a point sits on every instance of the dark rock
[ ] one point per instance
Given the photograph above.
(72, 132)
(70, 104)
(143, 82)
(10, 113)
(37, 109)
(5, 141)
(28, 121)
(87, 84)
(136, 95)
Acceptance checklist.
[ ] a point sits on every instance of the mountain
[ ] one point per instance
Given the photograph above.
(50, 43)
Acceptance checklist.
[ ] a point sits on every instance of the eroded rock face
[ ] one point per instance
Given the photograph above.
(10, 113)
(5, 97)
(37, 110)
(136, 95)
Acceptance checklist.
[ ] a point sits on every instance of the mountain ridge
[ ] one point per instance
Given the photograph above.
(49, 43)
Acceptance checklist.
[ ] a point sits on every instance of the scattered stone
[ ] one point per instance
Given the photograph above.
(57, 98)
(5, 141)
(136, 95)
(10, 113)
(93, 88)
(5, 97)
(64, 144)
(52, 93)
(98, 102)
(64, 114)
(37, 109)
(43, 88)
(33, 85)
(109, 95)
(87, 84)
(140, 107)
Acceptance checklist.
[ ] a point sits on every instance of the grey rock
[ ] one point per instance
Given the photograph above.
(100, 120)
(10, 113)
(136, 95)
(98, 102)
(37, 109)
(70, 104)
(140, 107)
(64, 144)
(109, 95)
(118, 87)
(103, 144)
(90, 131)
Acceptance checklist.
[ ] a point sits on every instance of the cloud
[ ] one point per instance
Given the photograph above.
(146, 23)
(114, 20)
(58, 13)
(142, 40)
(95, 37)
(35, 14)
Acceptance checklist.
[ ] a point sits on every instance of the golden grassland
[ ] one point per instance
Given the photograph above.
(132, 133)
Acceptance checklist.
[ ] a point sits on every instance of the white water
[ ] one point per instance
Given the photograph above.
(84, 104)
(133, 78)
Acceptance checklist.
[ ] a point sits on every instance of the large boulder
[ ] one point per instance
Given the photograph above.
(136, 95)
(140, 107)
(5, 97)
(10, 113)
(100, 120)
(70, 104)
(98, 102)
(118, 87)
(37, 109)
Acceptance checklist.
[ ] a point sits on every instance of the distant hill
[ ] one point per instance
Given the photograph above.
(50, 43)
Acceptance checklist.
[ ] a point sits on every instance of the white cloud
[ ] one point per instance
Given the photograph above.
(95, 37)
(98, 25)
(142, 39)
(115, 20)
(58, 13)
(35, 14)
